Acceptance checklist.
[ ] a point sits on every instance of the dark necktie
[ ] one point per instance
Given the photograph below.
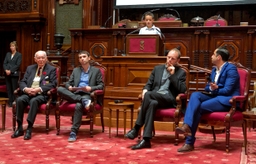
(38, 72)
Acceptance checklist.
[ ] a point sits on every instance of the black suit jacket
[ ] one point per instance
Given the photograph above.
(48, 79)
(177, 81)
(95, 78)
(12, 64)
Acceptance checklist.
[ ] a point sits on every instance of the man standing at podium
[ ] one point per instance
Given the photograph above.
(150, 28)
(164, 84)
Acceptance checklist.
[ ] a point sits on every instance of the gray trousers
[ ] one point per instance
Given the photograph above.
(75, 98)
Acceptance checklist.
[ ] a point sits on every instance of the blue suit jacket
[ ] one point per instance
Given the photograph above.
(228, 83)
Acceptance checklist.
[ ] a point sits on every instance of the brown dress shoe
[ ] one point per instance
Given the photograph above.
(185, 129)
(186, 148)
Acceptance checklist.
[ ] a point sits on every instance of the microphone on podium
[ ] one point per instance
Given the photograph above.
(161, 34)
(105, 24)
(132, 32)
(217, 21)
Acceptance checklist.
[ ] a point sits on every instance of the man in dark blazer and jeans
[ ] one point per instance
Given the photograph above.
(83, 80)
(38, 79)
(164, 84)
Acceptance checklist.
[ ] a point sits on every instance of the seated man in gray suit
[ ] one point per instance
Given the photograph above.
(83, 80)
(164, 84)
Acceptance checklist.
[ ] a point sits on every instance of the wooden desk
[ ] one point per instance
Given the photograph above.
(120, 106)
(249, 116)
(3, 102)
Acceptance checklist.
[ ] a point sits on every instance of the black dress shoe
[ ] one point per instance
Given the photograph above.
(142, 144)
(28, 135)
(17, 133)
(132, 134)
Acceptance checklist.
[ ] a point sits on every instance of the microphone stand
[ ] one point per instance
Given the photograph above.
(105, 24)
(138, 29)
(143, 15)
(177, 13)
(162, 35)
(217, 21)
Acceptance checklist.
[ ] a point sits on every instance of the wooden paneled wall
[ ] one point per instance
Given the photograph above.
(33, 27)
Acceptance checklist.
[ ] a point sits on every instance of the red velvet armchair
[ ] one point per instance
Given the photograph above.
(233, 117)
(167, 17)
(46, 109)
(65, 108)
(215, 21)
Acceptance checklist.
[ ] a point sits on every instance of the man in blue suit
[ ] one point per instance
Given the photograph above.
(223, 85)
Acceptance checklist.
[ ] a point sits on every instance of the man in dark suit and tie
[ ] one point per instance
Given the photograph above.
(164, 84)
(38, 79)
(224, 84)
(83, 80)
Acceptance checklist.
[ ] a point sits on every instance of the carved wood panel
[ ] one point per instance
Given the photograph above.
(15, 6)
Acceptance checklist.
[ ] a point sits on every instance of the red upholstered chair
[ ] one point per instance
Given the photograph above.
(46, 109)
(65, 108)
(215, 21)
(173, 114)
(234, 116)
(167, 17)
(3, 89)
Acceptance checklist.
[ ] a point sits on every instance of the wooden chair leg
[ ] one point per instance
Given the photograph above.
(153, 131)
(14, 117)
(139, 135)
(47, 123)
(57, 118)
(227, 137)
(213, 133)
(102, 122)
(91, 126)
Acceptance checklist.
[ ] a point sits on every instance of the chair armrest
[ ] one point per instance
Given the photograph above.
(233, 101)
(17, 91)
(181, 101)
(96, 94)
(181, 96)
(52, 93)
(236, 99)
(140, 97)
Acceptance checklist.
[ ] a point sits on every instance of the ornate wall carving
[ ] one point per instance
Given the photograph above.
(68, 1)
(15, 6)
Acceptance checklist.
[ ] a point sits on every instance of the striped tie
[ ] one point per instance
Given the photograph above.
(39, 71)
